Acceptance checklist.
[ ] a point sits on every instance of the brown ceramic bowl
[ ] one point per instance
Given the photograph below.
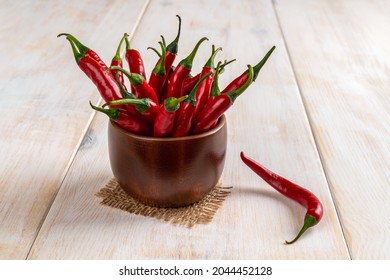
(167, 172)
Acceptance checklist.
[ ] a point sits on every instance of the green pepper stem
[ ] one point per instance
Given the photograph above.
(134, 78)
(128, 47)
(112, 113)
(259, 65)
(187, 62)
(82, 48)
(163, 41)
(192, 95)
(234, 94)
(172, 104)
(156, 51)
(215, 91)
(159, 69)
(308, 222)
(210, 61)
(174, 45)
(117, 56)
(226, 63)
(141, 104)
(79, 50)
(124, 92)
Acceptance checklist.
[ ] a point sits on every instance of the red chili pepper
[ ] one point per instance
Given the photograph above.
(117, 61)
(181, 73)
(141, 88)
(164, 90)
(170, 56)
(165, 119)
(203, 92)
(216, 106)
(124, 92)
(157, 77)
(172, 49)
(214, 92)
(187, 109)
(84, 50)
(189, 83)
(127, 121)
(146, 107)
(126, 95)
(240, 80)
(135, 61)
(94, 69)
(291, 190)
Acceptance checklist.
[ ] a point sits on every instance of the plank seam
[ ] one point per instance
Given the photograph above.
(310, 122)
(78, 146)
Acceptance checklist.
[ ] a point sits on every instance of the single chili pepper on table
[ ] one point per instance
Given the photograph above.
(127, 121)
(216, 106)
(203, 92)
(95, 70)
(157, 77)
(186, 111)
(181, 72)
(165, 119)
(117, 61)
(141, 87)
(291, 190)
(240, 80)
(144, 106)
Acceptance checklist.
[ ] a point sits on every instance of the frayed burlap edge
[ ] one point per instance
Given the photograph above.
(201, 212)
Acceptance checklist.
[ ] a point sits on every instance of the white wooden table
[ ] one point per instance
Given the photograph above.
(317, 114)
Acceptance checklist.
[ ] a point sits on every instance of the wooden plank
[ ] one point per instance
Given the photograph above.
(340, 57)
(44, 102)
(268, 122)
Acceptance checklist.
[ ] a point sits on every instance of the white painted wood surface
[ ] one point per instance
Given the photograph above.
(342, 65)
(54, 159)
(269, 123)
(44, 103)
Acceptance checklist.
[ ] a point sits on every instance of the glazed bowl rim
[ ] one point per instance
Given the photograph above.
(219, 126)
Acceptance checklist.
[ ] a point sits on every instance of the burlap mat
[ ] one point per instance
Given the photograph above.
(202, 212)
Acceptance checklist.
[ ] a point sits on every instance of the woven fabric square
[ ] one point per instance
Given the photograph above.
(202, 212)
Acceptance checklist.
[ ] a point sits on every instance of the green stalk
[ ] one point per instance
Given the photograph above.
(187, 62)
(234, 94)
(112, 113)
(172, 104)
(258, 66)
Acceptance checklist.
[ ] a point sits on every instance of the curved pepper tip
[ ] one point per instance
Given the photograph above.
(308, 223)
(62, 34)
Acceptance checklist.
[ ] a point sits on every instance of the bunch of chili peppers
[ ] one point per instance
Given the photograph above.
(171, 102)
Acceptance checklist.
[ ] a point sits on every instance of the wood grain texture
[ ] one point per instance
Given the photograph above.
(44, 103)
(268, 122)
(342, 64)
